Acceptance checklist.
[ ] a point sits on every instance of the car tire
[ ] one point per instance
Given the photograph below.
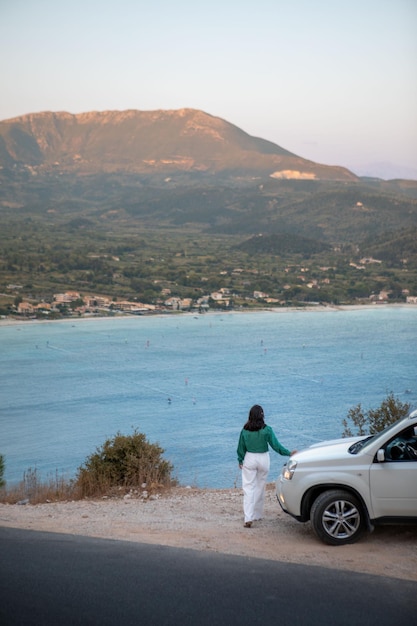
(337, 517)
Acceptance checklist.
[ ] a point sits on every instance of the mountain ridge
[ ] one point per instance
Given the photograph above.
(163, 141)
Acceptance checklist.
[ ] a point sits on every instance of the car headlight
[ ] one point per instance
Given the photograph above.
(289, 469)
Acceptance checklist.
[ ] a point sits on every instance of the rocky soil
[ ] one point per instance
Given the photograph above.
(213, 520)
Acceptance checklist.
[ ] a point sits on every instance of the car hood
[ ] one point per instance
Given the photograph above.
(332, 442)
(327, 450)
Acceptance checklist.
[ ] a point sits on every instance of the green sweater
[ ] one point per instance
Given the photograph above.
(257, 441)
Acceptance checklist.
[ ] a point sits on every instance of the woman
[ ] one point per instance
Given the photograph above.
(253, 459)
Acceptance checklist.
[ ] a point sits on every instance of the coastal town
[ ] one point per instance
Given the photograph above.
(75, 304)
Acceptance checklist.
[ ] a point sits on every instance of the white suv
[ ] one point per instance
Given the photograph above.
(347, 485)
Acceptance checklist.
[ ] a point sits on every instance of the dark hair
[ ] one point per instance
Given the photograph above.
(255, 419)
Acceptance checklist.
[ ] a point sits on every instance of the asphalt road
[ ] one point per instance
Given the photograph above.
(49, 579)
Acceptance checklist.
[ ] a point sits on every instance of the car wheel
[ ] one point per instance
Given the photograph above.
(337, 517)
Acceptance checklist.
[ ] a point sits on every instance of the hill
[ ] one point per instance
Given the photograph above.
(148, 142)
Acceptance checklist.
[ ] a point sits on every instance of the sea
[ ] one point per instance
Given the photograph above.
(188, 381)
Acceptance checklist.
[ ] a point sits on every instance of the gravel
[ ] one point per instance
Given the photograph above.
(205, 519)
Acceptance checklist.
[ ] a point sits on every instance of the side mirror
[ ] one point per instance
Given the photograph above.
(380, 456)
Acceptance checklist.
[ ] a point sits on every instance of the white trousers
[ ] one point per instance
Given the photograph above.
(254, 474)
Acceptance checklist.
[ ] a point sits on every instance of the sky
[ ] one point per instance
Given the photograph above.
(334, 81)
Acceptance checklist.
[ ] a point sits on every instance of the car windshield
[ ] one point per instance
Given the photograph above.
(360, 445)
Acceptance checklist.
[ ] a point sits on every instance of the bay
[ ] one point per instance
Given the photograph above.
(189, 381)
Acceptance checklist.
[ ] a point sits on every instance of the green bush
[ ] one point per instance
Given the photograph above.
(374, 420)
(124, 462)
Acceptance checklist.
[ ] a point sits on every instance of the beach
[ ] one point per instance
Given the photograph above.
(10, 320)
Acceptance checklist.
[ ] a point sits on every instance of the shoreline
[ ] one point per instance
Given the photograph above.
(7, 321)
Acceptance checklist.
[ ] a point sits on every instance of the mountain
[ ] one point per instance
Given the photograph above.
(386, 170)
(184, 170)
(148, 143)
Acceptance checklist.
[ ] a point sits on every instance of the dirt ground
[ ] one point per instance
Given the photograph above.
(212, 520)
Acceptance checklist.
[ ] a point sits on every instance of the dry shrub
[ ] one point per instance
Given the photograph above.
(32, 489)
(124, 462)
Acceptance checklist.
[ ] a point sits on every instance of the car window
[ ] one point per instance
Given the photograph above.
(381, 435)
(402, 447)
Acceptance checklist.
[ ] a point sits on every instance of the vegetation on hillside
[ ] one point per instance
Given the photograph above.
(124, 260)
(140, 238)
